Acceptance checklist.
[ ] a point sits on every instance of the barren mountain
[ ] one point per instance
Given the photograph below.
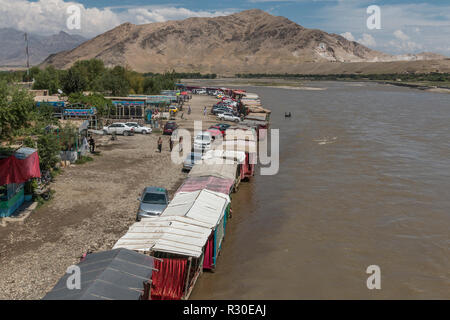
(12, 44)
(249, 41)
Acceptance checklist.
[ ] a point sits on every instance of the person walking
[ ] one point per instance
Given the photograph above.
(189, 109)
(204, 111)
(160, 144)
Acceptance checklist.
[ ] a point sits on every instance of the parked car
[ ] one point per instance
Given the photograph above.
(228, 116)
(173, 109)
(119, 128)
(221, 126)
(138, 128)
(203, 141)
(201, 91)
(191, 159)
(170, 127)
(153, 201)
(219, 110)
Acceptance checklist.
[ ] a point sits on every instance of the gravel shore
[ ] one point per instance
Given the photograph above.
(93, 206)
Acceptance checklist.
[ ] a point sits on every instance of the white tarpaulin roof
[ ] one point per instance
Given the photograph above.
(177, 235)
(205, 206)
(240, 133)
(237, 145)
(224, 170)
(217, 156)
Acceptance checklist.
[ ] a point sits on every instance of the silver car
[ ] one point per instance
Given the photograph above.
(153, 201)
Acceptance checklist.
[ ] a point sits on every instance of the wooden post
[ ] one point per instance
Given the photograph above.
(187, 277)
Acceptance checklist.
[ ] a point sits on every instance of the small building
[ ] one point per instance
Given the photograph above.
(15, 170)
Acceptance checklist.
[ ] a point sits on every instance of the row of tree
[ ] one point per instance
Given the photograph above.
(92, 75)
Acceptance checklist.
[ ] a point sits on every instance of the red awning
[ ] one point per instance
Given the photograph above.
(20, 167)
(209, 182)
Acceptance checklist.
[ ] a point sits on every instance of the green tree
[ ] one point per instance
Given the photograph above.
(14, 112)
(48, 150)
(94, 100)
(74, 81)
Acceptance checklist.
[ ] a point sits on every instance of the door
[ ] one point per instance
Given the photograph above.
(120, 129)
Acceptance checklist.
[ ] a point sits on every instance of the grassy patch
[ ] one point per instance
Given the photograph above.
(43, 200)
(83, 160)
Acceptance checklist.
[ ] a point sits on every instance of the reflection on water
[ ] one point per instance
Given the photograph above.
(364, 179)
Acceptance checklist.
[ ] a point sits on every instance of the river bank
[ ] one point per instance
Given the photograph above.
(93, 206)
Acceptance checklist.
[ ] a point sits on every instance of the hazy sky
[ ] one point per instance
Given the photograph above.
(406, 26)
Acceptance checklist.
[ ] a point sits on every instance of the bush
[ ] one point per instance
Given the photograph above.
(48, 150)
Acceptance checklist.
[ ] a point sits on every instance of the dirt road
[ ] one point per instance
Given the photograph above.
(94, 205)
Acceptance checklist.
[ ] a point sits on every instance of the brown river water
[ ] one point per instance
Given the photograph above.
(364, 180)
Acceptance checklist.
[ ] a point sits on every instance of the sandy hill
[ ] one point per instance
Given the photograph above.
(249, 41)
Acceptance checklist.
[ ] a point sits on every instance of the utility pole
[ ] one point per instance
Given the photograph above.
(28, 57)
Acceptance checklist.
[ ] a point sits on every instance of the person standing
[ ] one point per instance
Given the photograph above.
(160, 144)
(204, 111)
(91, 144)
(170, 144)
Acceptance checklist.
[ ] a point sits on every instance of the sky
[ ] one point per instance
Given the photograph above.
(405, 26)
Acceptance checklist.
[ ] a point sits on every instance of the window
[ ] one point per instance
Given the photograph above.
(154, 198)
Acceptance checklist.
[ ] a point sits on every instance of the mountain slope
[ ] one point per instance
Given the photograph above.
(249, 41)
(12, 45)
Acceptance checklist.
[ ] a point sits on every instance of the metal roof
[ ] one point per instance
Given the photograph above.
(205, 206)
(109, 275)
(173, 234)
(223, 170)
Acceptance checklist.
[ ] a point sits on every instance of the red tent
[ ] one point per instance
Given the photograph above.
(20, 167)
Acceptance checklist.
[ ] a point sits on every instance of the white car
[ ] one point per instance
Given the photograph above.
(203, 141)
(228, 117)
(138, 128)
(119, 128)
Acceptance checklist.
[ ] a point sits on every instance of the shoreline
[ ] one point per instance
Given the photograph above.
(300, 84)
(94, 205)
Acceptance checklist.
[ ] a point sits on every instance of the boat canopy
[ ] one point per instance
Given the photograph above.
(205, 206)
(172, 234)
(211, 183)
(220, 155)
(223, 170)
(238, 145)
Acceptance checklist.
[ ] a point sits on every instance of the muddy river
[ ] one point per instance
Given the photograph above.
(364, 180)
